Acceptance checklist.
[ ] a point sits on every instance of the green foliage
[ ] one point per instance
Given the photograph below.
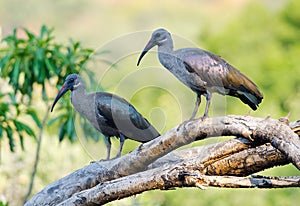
(9, 116)
(32, 62)
(3, 204)
(37, 58)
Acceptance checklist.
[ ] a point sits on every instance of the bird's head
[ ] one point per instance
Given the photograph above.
(72, 82)
(158, 38)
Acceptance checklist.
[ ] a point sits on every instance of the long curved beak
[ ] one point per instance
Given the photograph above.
(146, 49)
(61, 92)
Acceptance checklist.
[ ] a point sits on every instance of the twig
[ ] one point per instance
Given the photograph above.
(37, 155)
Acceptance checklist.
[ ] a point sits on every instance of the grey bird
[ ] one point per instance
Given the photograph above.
(203, 72)
(108, 113)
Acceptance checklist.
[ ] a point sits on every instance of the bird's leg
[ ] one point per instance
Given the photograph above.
(208, 98)
(108, 146)
(122, 140)
(198, 101)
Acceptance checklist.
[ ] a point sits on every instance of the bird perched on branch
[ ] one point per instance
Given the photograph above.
(203, 71)
(108, 113)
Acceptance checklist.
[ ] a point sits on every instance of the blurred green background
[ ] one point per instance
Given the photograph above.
(261, 38)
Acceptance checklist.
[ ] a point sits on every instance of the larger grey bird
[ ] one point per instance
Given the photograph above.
(203, 71)
(108, 113)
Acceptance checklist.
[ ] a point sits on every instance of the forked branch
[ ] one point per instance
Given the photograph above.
(263, 143)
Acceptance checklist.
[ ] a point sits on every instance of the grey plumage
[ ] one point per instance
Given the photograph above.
(203, 71)
(108, 113)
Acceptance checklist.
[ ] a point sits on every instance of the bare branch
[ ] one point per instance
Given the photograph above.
(114, 190)
(246, 182)
(248, 161)
(188, 173)
(257, 130)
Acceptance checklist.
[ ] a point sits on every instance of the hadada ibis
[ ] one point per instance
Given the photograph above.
(108, 113)
(203, 71)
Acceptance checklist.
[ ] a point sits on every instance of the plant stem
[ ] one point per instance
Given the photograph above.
(37, 155)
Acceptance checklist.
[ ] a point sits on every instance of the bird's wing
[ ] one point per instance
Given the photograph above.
(122, 115)
(115, 108)
(209, 67)
(218, 74)
(236, 80)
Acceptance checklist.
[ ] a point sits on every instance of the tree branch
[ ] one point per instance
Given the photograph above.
(213, 161)
(125, 187)
(189, 173)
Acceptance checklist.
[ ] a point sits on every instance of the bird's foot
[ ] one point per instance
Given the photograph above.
(101, 160)
(179, 127)
(204, 117)
(117, 156)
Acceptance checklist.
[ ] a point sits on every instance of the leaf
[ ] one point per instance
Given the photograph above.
(1, 131)
(18, 125)
(34, 116)
(36, 69)
(29, 131)
(12, 98)
(21, 126)
(44, 94)
(10, 138)
(41, 77)
(70, 129)
(3, 64)
(29, 34)
(44, 31)
(49, 65)
(21, 141)
(70, 125)
(76, 45)
(62, 131)
(15, 74)
(51, 121)
(4, 108)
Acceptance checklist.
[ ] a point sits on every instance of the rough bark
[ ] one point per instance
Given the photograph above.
(265, 143)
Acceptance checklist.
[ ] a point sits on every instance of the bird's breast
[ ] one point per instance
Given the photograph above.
(178, 69)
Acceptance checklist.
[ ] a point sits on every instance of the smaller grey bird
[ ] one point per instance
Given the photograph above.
(203, 72)
(108, 113)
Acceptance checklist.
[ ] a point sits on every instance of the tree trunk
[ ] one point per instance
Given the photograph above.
(260, 144)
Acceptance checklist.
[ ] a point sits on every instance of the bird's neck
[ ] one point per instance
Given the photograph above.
(166, 46)
(78, 99)
(166, 54)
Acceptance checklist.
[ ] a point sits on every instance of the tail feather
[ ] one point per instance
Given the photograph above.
(250, 99)
(243, 88)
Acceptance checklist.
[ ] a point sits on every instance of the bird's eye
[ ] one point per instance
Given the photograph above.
(71, 80)
(157, 35)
